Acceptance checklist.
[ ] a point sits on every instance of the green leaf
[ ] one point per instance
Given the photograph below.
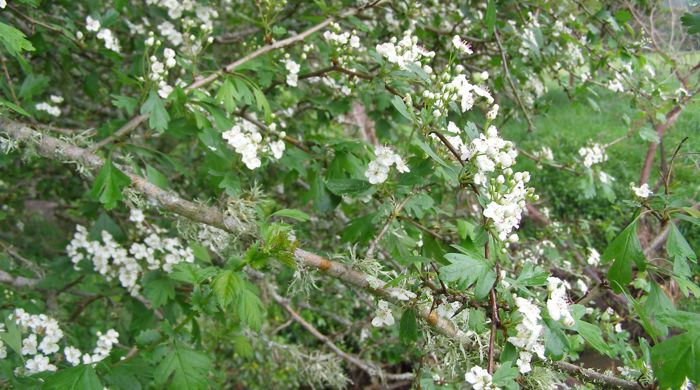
(430, 152)
(593, 335)
(347, 186)
(468, 269)
(189, 369)
(623, 251)
(262, 104)
(490, 16)
(242, 347)
(401, 107)
(408, 328)
(12, 337)
(648, 134)
(14, 40)
(154, 176)
(677, 246)
(692, 22)
(126, 103)
(82, 377)
(249, 307)
(505, 375)
(226, 95)
(14, 107)
(292, 213)
(159, 291)
(226, 285)
(676, 358)
(109, 184)
(555, 341)
(154, 107)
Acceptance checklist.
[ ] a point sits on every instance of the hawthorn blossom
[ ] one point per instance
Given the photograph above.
(593, 257)
(462, 46)
(92, 25)
(378, 170)
(480, 379)
(3, 4)
(642, 191)
(383, 315)
(493, 112)
(72, 355)
(246, 140)
(404, 52)
(593, 154)
(529, 334)
(293, 72)
(48, 108)
(615, 85)
(557, 304)
(110, 259)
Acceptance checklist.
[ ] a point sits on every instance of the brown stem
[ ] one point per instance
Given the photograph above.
(661, 128)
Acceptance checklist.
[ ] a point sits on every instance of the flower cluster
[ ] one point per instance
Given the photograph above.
(41, 336)
(479, 379)
(292, 71)
(343, 43)
(246, 140)
(378, 170)
(404, 52)
(104, 34)
(642, 191)
(457, 89)
(382, 315)
(558, 305)
(112, 260)
(50, 108)
(159, 70)
(506, 191)
(529, 332)
(593, 154)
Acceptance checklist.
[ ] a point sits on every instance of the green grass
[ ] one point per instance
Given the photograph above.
(567, 125)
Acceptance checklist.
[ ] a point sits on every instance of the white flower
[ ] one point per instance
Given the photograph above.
(92, 24)
(462, 46)
(642, 191)
(616, 86)
(594, 154)
(479, 378)
(29, 345)
(293, 72)
(382, 315)
(49, 109)
(582, 286)
(523, 362)
(593, 256)
(378, 170)
(493, 112)
(136, 216)
(56, 99)
(72, 355)
(557, 305)
(38, 363)
(247, 141)
(401, 294)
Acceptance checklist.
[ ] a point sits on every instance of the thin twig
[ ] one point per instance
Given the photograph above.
(504, 62)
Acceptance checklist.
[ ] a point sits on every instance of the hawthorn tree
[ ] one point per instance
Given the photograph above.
(285, 194)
